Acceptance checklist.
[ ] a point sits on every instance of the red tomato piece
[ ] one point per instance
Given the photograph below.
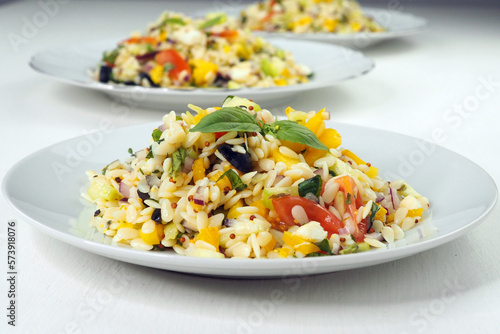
(173, 57)
(219, 134)
(283, 207)
(353, 202)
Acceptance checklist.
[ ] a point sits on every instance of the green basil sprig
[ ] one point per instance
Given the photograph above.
(237, 119)
(174, 20)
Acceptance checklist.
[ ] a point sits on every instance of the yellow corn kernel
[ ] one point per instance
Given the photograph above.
(209, 235)
(226, 48)
(289, 162)
(233, 211)
(415, 212)
(263, 211)
(280, 82)
(381, 214)
(154, 237)
(156, 73)
(198, 170)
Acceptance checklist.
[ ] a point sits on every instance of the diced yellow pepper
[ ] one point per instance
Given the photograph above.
(289, 162)
(233, 211)
(198, 170)
(154, 237)
(122, 225)
(331, 138)
(283, 252)
(286, 73)
(302, 21)
(372, 172)
(330, 25)
(316, 122)
(390, 218)
(306, 248)
(381, 214)
(292, 240)
(415, 212)
(201, 70)
(156, 73)
(209, 235)
(199, 116)
(280, 82)
(313, 154)
(226, 48)
(163, 36)
(270, 245)
(222, 183)
(356, 26)
(263, 211)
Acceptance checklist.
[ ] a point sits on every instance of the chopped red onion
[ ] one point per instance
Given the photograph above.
(278, 179)
(319, 171)
(124, 189)
(312, 197)
(394, 198)
(375, 235)
(162, 127)
(123, 201)
(343, 231)
(230, 222)
(198, 201)
(379, 198)
(188, 164)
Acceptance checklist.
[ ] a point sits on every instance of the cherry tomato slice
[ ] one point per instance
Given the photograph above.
(173, 57)
(283, 207)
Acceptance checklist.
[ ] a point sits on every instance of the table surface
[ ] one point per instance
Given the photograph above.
(418, 83)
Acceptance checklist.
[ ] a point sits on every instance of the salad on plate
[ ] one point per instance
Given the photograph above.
(177, 51)
(235, 181)
(308, 16)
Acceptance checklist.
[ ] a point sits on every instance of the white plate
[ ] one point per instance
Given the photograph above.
(330, 64)
(44, 188)
(398, 24)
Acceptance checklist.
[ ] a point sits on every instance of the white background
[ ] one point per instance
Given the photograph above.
(417, 86)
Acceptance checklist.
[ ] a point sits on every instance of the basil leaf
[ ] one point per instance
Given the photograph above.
(227, 119)
(110, 56)
(235, 180)
(373, 212)
(214, 21)
(150, 153)
(156, 135)
(174, 20)
(348, 200)
(312, 185)
(178, 158)
(131, 152)
(295, 133)
(324, 245)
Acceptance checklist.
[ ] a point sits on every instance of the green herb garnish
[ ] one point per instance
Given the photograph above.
(237, 119)
(131, 152)
(348, 200)
(312, 186)
(235, 180)
(178, 158)
(109, 57)
(214, 21)
(150, 153)
(156, 135)
(174, 20)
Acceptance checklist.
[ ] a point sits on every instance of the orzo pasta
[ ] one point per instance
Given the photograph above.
(233, 181)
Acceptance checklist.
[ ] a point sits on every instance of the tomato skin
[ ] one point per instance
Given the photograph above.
(347, 186)
(219, 134)
(228, 34)
(173, 57)
(283, 207)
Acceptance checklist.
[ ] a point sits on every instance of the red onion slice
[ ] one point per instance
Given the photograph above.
(124, 189)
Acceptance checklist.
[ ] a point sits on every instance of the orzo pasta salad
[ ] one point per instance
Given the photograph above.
(179, 52)
(308, 16)
(234, 181)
